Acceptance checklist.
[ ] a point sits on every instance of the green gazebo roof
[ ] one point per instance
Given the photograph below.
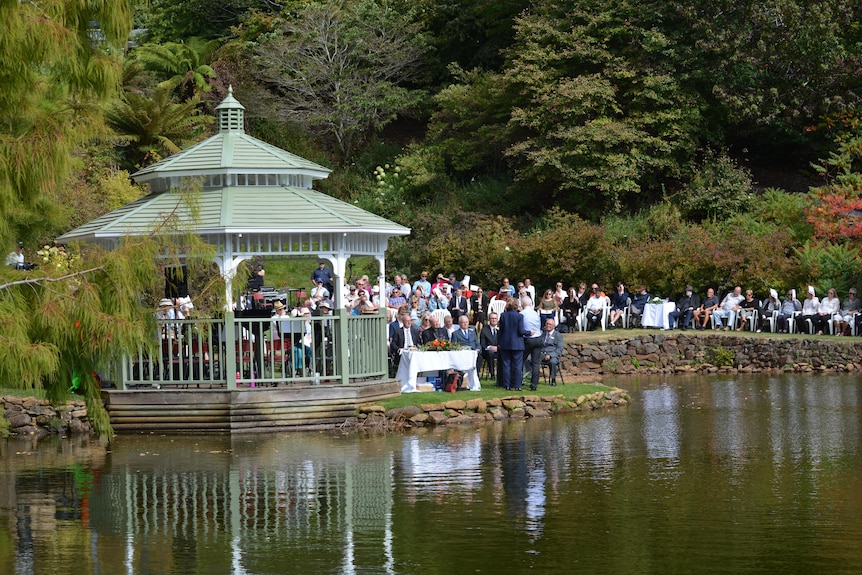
(249, 187)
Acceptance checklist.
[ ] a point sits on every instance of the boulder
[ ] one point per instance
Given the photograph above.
(437, 418)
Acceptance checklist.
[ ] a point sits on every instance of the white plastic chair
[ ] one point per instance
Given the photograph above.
(497, 306)
(440, 314)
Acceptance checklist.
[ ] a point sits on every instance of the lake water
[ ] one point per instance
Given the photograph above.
(709, 475)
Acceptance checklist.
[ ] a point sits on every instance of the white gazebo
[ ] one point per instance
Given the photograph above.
(256, 200)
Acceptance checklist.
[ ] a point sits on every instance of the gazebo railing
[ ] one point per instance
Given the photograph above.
(302, 350)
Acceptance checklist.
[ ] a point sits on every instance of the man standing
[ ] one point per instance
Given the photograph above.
(322, 274)
(685, 307)
(488, 342)
(532, 342)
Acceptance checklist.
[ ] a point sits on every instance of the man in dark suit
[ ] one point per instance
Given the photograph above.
(458, 305)
(404, 337)
(488, 343)
(434, 332)
(551, 348)
(685, 307)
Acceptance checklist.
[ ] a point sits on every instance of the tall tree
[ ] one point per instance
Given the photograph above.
(155, 126)
(175, 20)
(56, 69)
(601, 113)
(343, 69)
(181, 65)
(78, 310)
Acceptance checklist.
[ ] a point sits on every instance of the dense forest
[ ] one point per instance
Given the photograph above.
(664, 142)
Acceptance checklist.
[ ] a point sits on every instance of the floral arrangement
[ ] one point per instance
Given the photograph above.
(441, 345)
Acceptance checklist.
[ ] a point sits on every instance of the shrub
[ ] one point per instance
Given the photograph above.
(565, 247)
(718, 189)
(720, 356)
(830, 265)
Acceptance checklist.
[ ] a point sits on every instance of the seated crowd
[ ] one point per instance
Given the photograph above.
(583, 308)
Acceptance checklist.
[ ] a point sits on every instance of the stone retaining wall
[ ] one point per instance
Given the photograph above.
(478, 411)
(31, 416)
(677, 352)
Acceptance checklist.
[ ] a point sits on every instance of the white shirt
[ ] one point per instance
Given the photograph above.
(595, 303)
(829, 306)
(810, 305)
(15, 259)
(731, 300)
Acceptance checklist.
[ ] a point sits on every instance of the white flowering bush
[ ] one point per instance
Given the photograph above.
(56, 258)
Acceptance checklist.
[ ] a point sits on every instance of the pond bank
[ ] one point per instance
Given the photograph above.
(693, 352)
(31, 416)
(480, 411)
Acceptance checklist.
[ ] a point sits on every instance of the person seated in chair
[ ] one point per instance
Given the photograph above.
(479, 308)
(319, 292)
(459, 305)
(434, 332)
(620, 300)
(639, 301)
(829, 306)
(488, 343)
(571, 310)
(704, 312)
(789, 307)
(768, 308)
(809, 311)
(405, 336)
(850, 308)
(595, 307)
(748, 308)
(729, 304)
(552, 348)
(465, 335)
(685, 308)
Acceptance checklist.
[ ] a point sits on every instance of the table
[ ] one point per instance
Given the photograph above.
(655, 314)
(415, 362)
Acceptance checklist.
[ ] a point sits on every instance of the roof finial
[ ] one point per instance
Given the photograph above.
(230, 114)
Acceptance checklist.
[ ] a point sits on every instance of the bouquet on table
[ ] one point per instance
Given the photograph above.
(441, 345)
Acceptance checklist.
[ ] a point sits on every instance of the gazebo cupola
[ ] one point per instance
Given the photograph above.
(232, 158)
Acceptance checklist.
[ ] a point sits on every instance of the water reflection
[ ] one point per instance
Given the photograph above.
(748, 475)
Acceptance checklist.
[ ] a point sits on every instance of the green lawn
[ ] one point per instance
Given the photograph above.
(489, 391)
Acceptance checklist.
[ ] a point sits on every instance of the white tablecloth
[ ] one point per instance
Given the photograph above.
(655, 314)
(415, 362)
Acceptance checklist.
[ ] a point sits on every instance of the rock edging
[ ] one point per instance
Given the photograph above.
(480, 411)
(681, 353)
(31, 416)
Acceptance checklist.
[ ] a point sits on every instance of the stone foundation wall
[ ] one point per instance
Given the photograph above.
(31, 416)
(682, 353)
(478, 411)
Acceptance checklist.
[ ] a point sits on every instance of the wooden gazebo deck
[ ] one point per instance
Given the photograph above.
(294, 407)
